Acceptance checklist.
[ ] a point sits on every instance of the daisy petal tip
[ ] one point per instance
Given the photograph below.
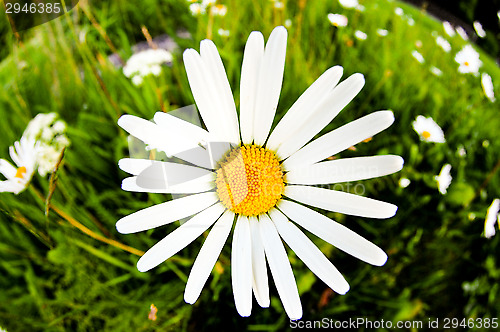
(143, 265)
(189, 299)
(343, 289)
(382, 259)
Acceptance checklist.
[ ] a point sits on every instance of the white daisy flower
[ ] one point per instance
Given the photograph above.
(462, 33)
(461, 152)
(492, 216)
(443, 43)
(399, 11)
(436, 71)
(479, 29)
(206, 3)
(349, 3)
(197, 9)
(468, 59)
(49, 132)
(288, 23)
(360, 35)
(248, 178)
(146, 63)
(487, 85)
(382, 32)
(337, 20)
(404, 182)
(223, 32)
(219, 10)
(419, 57)
(448, 28)
(444, 179)
(410, 21)
(428, 130)
(23, 153)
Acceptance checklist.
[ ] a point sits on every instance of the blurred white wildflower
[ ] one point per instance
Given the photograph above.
(479, 29)
(436, 71)
(223, 32)
(462, 33)
(404, 182)
(197, 9)
(444, 179)
(418, 43)
(498, 14)
(418, 56)
(461, 151)
(487, 85)
(23, 153)
(349, 3)
(50, 133)
(278, 4)
(360, 8)
(468, 59)
(382, 32)
(207, 3)
(337, 20)
(443, 43)
(428, 130)
(288, 23)
(360, 35)
(410, 20)
(218, 10)
(448, 28)
(492, 217)
(398, 11)
(145, 63)
(471, 216)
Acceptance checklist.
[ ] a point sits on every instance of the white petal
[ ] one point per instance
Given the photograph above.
(144, 130)
(269, 86)
(302, 109)
(180, 238)
(7, 169)
(250, 69)
(340, 139)
(259, 269)
(334, 233)
(345, 170)
(305, 249)
(198, 185)
(280, 268)
(342, 202)
(337, 99)
(134, 166)
(162, 175)
(165, 213)
(207, 257)
(241, 267)
(15, 156)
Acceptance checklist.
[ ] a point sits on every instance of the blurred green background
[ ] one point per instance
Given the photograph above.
(54, 277)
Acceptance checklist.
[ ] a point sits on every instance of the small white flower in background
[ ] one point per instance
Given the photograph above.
(462, 33)
(461, 151)
(428, 130)
(399, 11)
(206, 3)
(218, 10)
(50, 133)
(337, 20)
(360, 35)
(410, 20)
(360, 8)
(443, 43)
(146, 63)
(382, 32)
(349, 3)
(288, 23)
(197, 9)
(278, 4)
(448, 28)
(444, 178)
(418, 56)
(23, 153)
(418, 43)
(479, 29)
(404, 182)
(487, 85)
(492, 216)
(436, 71)
(223, 32)
(468, 59)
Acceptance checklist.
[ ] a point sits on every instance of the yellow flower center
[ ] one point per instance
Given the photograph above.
(249, 180)
(466, 63)
(20, 171)
(426, 134)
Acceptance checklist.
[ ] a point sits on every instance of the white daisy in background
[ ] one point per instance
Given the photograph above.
(337, 20)
(382, 32)
(419, 57)
(418, 44)
(248, 177)
(50, 133)
(278, 4)
(223, 32)
(146, 63)
(360, 35)
(404, 182)
(428, 130)
(468, 59)
(443, 43)
(23, 153)
(461, 152)
(288, 23)
(448, 28)
(492, 216)
(462, 33)
(436, 71)
(219, 10)
(444, 179)
(487, 85)
(197, 9)
(479, 29)
(399, 11)
(349, 3)
(206, 3)
(410, 20)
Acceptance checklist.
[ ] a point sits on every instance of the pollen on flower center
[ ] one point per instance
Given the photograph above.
(426, 134)
(20, 172)
(249, 180)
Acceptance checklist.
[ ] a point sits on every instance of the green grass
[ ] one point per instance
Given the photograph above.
(53, 277)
